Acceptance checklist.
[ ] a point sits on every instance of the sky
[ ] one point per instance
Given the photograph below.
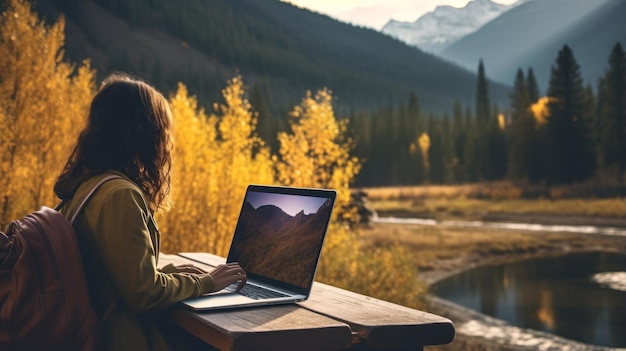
(376, 13)
(291, 204)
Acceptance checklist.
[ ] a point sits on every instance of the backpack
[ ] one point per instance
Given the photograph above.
(44, 300)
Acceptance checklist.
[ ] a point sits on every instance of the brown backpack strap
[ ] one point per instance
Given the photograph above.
(86, 198)
(82, 204)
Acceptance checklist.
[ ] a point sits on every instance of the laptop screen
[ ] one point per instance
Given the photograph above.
(280, 232)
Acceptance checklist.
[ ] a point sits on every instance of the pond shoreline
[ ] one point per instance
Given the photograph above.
(476, 331)
(479, 332)
(445, 267)
(453, 266)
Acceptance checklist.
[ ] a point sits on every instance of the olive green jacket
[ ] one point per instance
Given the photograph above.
(119, 242)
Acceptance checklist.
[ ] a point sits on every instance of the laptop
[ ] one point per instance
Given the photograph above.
(277, 241)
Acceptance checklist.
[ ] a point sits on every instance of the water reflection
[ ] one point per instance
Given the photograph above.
(567, 296)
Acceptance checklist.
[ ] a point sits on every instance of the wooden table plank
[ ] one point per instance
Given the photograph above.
(285, 327)
(378, 324)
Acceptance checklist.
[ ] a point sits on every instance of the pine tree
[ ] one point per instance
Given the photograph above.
(416, 162)
(570, 148)
(471, 166)
(533, 87)
(402, 141)
(435, 151)
(459, 134)
(482, 96)
(495, 147)
(523, 152)
(592, 118)
(267, 128)
(520, 96)
(379, 161)
(614, 112)
(481, 132)
(423, 142)
(447, 150)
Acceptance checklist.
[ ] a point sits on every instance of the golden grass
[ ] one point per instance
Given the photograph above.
(437, 251)
(492, 190)
(472, 200)
(444, 207)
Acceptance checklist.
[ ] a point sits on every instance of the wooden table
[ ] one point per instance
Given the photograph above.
(331, 319)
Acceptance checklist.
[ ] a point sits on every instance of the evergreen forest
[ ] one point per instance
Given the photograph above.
(572, 133)
(458, 128)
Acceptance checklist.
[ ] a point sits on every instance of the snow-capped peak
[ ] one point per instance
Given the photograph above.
(435, 30)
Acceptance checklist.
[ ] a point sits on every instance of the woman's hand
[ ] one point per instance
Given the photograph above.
(226, 274)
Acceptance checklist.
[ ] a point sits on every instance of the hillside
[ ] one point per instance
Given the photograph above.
(279, 49)
(530, 35)
(267, 232)
(591, 40)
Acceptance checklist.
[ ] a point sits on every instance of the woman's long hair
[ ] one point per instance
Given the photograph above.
(128, 130)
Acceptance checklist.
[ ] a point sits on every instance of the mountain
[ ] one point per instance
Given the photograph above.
(279, 49)
(591, 40)
(530, 35)
(435, 30)
(267, 233)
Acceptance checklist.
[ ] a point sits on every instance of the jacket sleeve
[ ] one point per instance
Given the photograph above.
(126, 246)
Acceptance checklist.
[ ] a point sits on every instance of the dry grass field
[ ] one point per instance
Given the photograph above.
(498, 202)
(439, 251)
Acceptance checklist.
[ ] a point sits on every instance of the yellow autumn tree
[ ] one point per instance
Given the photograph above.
(540, 110)
(42, 102)
(215, 158)
(316, 154)
(423, 143)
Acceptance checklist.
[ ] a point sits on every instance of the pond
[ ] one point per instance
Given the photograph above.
(578, 296)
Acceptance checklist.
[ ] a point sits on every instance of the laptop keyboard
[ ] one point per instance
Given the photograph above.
(255, 292)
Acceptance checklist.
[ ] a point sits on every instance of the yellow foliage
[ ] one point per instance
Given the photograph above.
(540, 109)
(424, 142)
(316, 153)
(501, 121)
(215, 158)
(42, 103)
(380, 271)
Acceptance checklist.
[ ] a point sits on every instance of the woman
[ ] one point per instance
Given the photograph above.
(128, 134)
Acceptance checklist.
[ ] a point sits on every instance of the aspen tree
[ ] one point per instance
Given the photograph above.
(43, 101)
(317, 154)
(215, 158)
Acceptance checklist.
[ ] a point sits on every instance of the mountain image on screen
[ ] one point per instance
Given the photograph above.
(274, 244)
